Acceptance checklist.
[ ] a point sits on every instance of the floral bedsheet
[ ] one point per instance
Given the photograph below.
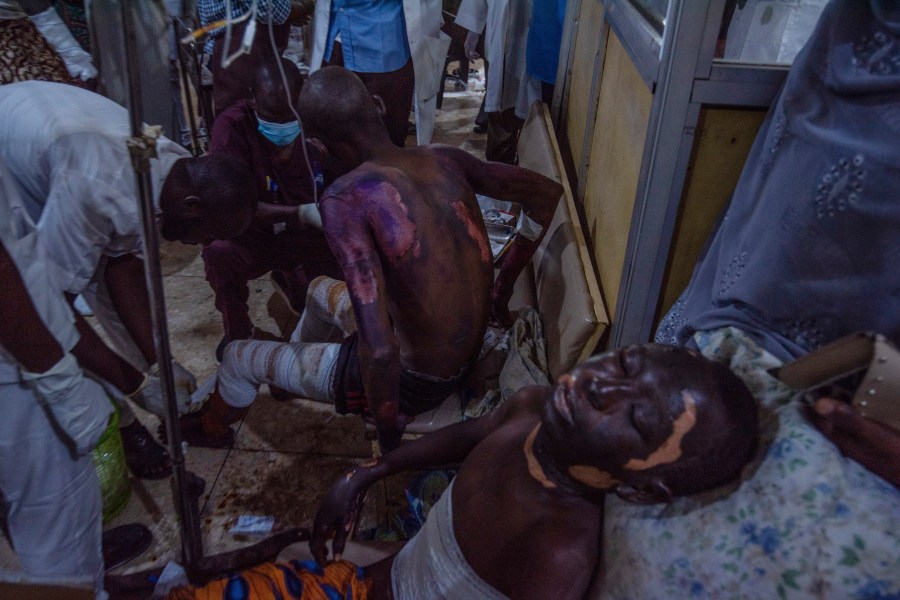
(803, 521)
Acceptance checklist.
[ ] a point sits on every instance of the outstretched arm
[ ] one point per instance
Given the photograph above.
(95, 356)
(448, 445)
(352, 241)
(538, 195)
(128, 291)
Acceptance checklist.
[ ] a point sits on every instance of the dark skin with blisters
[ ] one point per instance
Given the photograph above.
(409, 235)
(536, 533)
(406, 228)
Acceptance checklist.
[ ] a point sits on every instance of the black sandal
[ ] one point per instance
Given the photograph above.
(123, 543)
(193, 433)
(143, 455)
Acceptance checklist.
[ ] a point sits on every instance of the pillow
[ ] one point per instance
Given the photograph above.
(803, 521)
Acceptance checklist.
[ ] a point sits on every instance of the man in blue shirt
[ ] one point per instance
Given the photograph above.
(369, 38)
(544, 39)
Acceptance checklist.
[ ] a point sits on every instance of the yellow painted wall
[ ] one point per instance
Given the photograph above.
(723, 140)
(587, 42)
(617, 147)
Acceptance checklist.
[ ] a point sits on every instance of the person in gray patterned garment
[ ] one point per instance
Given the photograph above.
(808, 248)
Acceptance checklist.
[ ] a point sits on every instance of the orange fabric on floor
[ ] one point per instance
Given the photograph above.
(301, 580)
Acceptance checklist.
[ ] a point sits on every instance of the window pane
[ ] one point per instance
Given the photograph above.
(654, 11)
(766, 31)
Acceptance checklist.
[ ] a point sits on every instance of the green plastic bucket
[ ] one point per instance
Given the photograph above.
(109, 462)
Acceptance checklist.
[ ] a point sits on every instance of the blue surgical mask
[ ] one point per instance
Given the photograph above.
(280, 134)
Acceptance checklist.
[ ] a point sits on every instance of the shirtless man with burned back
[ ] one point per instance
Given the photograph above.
(406, 228)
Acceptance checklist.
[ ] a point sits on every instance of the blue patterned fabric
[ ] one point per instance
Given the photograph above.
(211, 11)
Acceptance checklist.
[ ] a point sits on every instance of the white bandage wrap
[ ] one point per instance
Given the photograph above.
(310, 215)
(304, 369)
(78, 62)
(79, 405)
(328, 316)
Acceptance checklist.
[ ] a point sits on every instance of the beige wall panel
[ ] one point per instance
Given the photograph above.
(723, 140)
(590, 22)
(617, 147)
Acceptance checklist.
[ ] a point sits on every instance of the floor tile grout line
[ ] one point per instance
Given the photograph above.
(304, 452)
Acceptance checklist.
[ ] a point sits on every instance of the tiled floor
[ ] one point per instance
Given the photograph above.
(286, 454)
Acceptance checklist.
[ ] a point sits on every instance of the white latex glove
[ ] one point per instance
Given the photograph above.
(469, 45)
(149, 395)
(310, 215)
(185, 383)
(79, 405)
(78, 62)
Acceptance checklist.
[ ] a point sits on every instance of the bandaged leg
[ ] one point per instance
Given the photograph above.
(303, 369)
(328, 315)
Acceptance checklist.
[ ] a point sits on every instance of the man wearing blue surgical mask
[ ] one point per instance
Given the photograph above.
(264, 134)
(280, 134)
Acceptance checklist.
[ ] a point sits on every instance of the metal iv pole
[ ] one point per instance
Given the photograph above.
(142, 147)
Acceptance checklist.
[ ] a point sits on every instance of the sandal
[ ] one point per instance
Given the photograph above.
(193, 432)
(123, 543)
(143, 455)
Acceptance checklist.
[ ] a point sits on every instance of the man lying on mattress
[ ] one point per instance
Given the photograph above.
(523, 516)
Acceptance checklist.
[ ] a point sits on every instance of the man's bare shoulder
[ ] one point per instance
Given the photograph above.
(365, 184)
(525, 406)
(453, 153)
(528, 401)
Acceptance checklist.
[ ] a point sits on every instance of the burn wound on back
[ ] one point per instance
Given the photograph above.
(670, 450)
(474, 229)
(395, 231)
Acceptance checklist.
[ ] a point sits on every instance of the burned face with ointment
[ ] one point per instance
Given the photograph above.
(650, 412)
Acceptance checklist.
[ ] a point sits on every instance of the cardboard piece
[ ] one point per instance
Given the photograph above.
(869, 356)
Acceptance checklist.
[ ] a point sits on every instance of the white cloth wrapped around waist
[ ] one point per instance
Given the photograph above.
(432, 566)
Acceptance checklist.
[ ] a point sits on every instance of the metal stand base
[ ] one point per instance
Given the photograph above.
(209, 567)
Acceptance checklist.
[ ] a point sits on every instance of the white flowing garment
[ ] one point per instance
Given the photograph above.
(504, 23)
(66, 152)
